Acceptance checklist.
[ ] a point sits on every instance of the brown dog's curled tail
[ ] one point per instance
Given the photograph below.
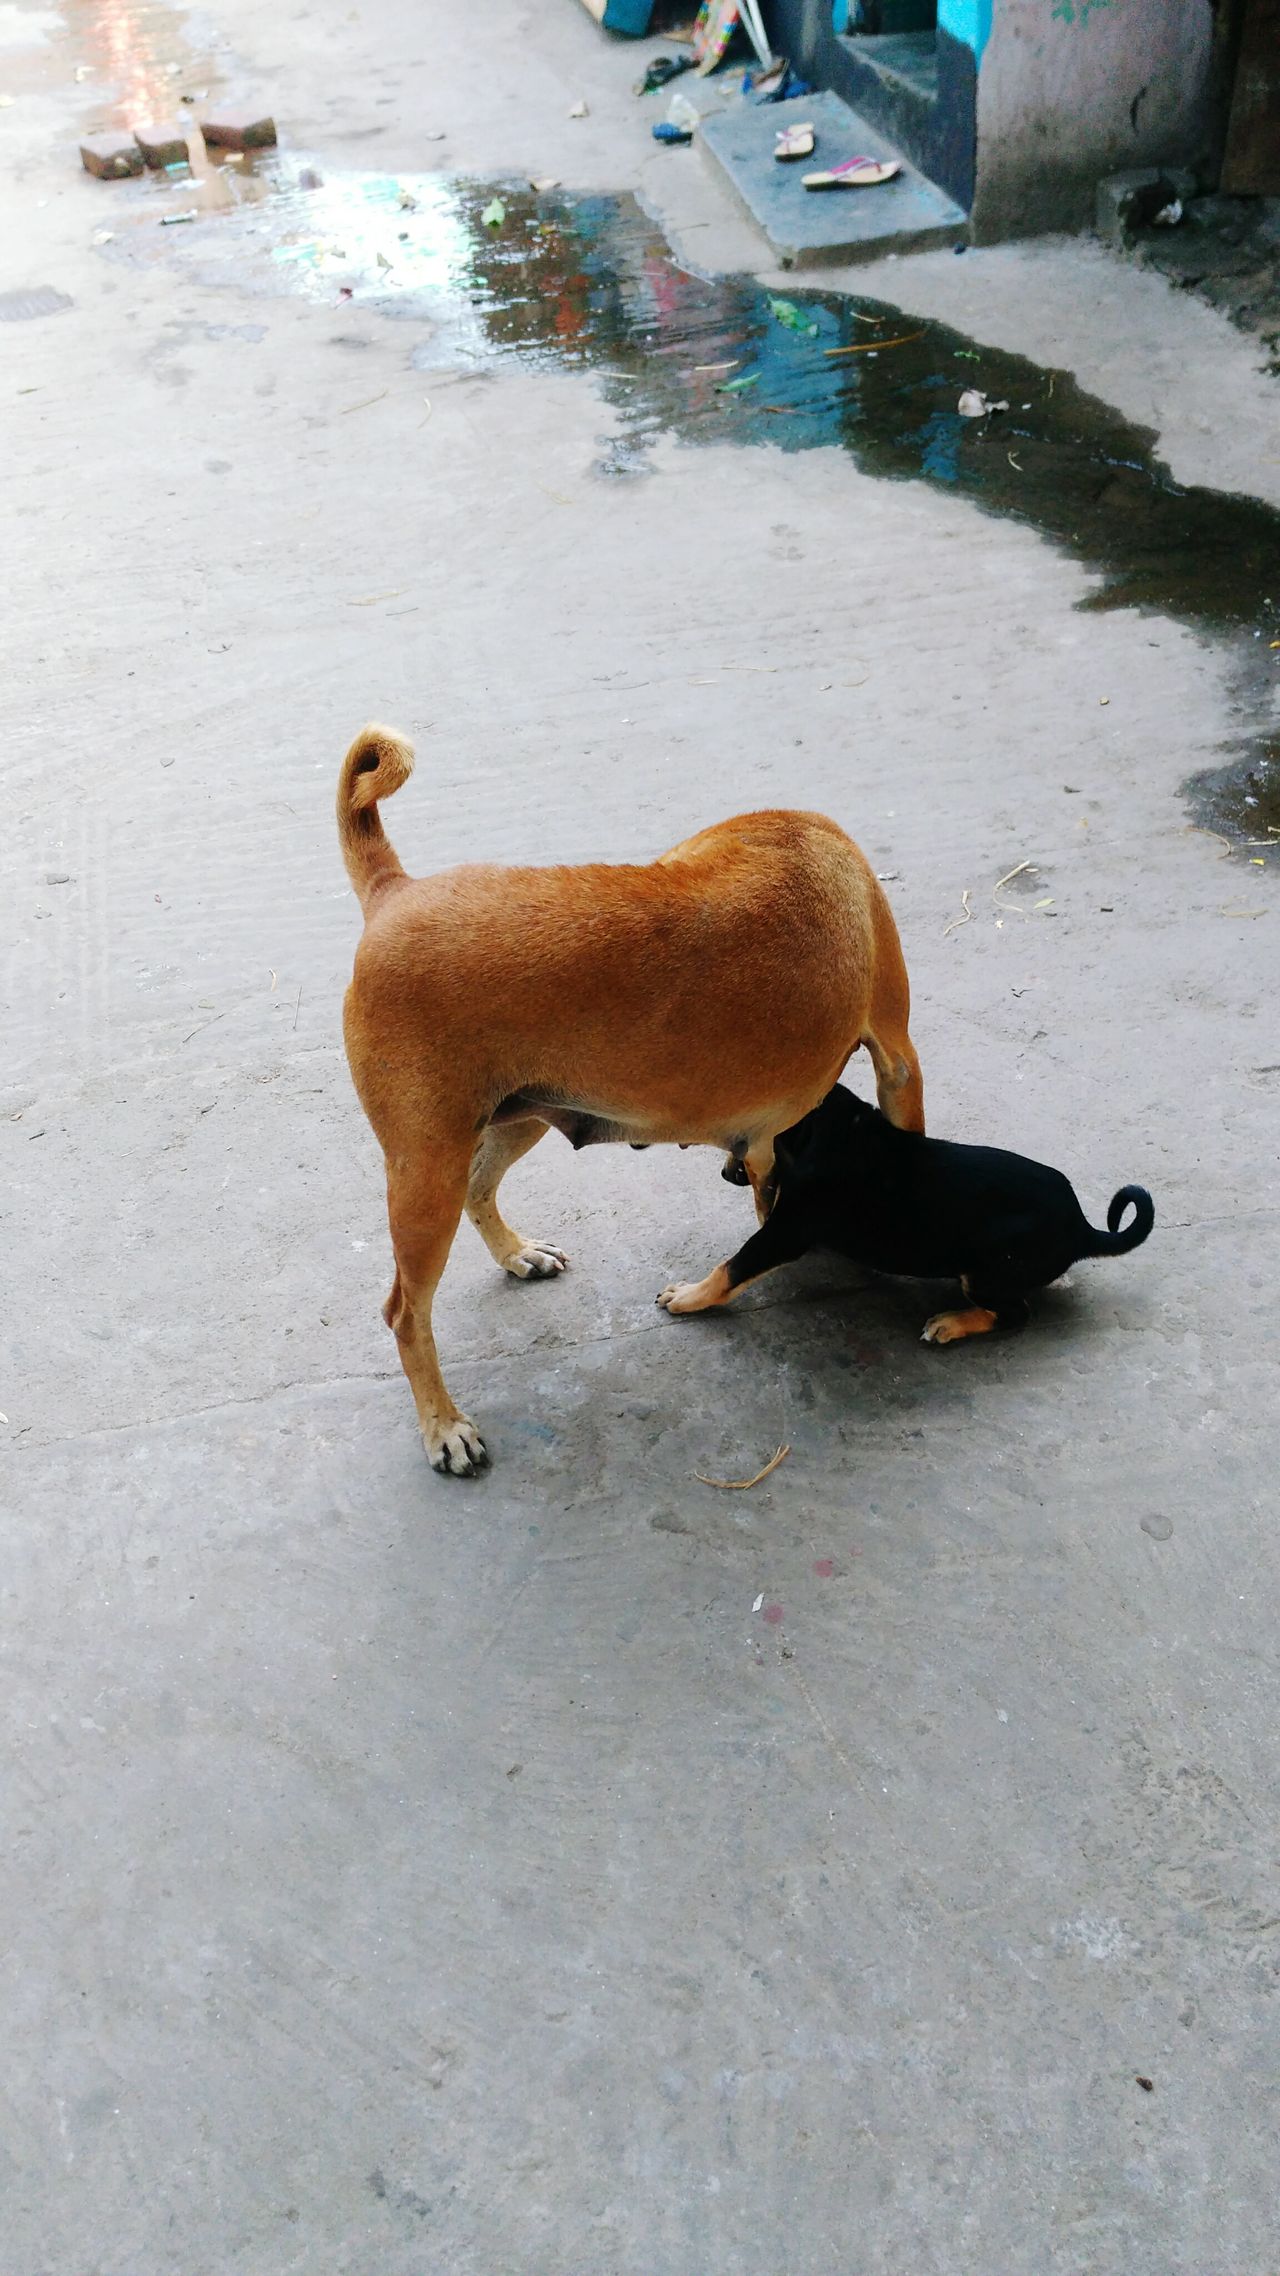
(378, 762)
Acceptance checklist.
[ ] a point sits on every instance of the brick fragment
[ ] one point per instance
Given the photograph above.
(165, 144)
(238, 130)
(110, 155)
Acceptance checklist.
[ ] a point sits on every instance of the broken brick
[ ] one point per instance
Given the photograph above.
(164, 145)
(238, 130)
(110, 155)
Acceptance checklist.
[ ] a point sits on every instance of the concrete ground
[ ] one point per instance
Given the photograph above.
(1227, 251)
(587, 1872)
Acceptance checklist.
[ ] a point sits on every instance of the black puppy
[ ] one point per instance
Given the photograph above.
(846, 1179)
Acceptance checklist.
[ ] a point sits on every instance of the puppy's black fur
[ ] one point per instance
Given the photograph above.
(846, 1179)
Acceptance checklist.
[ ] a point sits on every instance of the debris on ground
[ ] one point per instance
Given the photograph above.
(666, 130)
(110, 156)
(1125, 203)
(974, 404)
(175, 220)
(740, 1485)
(239, 130)
(495, 213)
(661, 70)
(785, 312)
(578, 110)
(872, 347)
(778, 84)
(1225, 250)
(165, 144)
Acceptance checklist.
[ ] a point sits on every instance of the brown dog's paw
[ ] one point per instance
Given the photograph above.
(455, 1448)
(535, 1260)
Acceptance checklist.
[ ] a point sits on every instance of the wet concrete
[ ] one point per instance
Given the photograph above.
(591, 284)
(598, 1871)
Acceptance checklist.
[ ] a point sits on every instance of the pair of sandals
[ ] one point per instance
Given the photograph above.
(793, 142)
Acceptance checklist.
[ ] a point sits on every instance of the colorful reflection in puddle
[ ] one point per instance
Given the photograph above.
(589, 283)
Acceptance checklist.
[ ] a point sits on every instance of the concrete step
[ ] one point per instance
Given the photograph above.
(809, 227)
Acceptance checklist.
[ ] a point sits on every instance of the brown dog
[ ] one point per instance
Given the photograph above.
(709, 998)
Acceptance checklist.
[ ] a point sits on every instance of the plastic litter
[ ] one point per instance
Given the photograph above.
(974, 404)
(785, 312)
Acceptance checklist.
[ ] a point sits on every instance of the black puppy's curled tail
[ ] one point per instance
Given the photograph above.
(1114, 1243)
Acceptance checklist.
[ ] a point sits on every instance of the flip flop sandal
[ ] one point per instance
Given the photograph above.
(854, 174)
(794, 142)
(763, 84)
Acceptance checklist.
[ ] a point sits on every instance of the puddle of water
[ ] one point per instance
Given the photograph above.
(141, 59)
(126, 63)
(589, 283)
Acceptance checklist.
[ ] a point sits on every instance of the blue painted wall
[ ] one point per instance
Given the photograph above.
(968, 21)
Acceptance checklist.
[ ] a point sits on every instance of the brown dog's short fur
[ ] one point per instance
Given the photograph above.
(710, 998)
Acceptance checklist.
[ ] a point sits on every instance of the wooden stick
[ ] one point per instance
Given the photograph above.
(740, 1485)
(864, 347)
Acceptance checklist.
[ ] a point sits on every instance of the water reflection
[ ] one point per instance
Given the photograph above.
(494, 273)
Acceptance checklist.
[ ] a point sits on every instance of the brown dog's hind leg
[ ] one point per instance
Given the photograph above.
(501, 1145)
(424, 1204)
(899, 1084)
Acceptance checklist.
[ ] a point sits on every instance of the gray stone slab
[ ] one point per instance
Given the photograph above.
(808, 227)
